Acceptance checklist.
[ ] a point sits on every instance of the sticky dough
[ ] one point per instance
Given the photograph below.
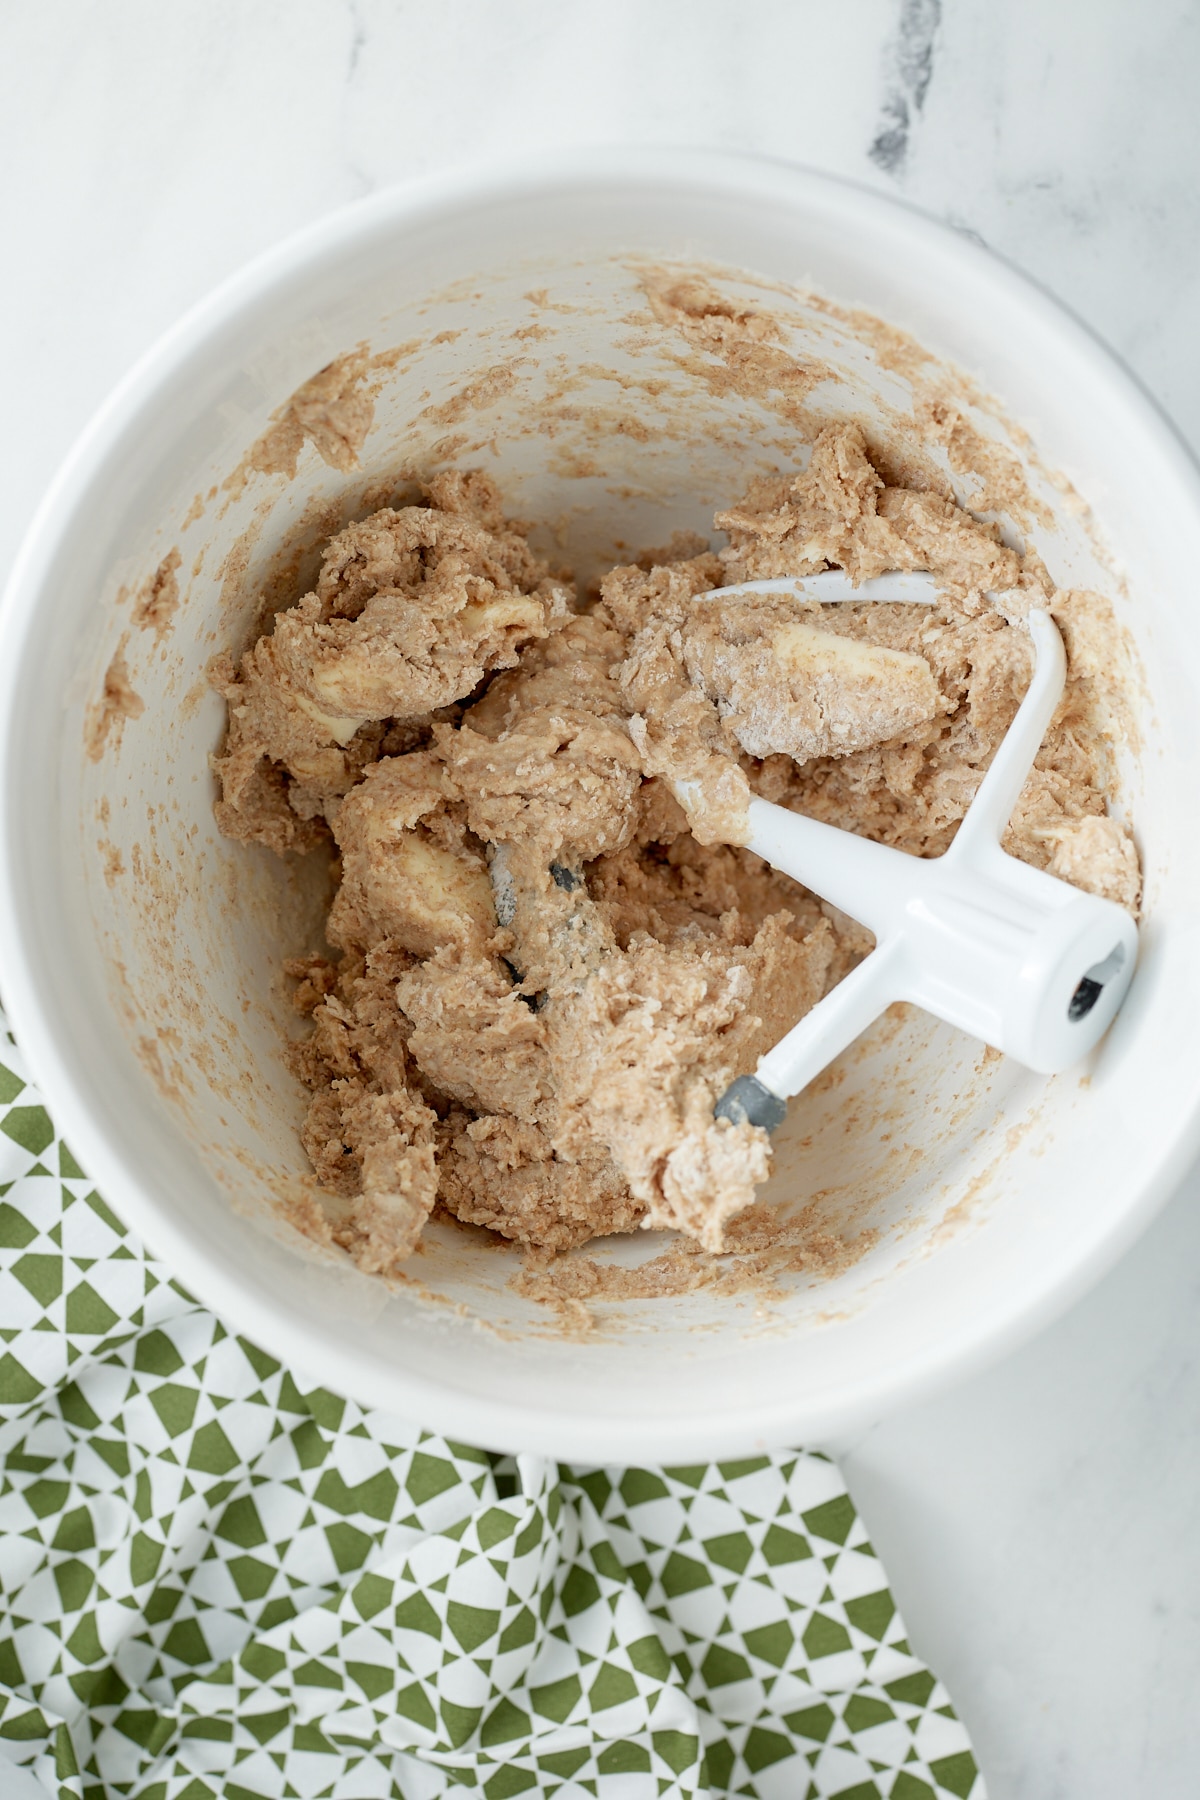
(545, 972)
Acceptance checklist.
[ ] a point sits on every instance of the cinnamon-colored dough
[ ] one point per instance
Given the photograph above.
(546, 971)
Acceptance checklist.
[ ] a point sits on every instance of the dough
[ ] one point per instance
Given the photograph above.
(546, 971)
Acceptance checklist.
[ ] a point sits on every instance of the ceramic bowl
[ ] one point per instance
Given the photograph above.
(141, 950)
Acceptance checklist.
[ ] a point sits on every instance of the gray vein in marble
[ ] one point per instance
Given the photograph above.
(364, 181)
(910, 70)
(357, 43)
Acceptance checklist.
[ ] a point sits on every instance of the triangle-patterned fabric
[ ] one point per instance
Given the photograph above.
(214, 1582)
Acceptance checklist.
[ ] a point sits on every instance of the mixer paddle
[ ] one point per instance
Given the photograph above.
(1033, 966)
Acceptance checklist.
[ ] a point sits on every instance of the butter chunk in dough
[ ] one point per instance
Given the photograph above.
(408, 870)
(784, 686)
(411, 610)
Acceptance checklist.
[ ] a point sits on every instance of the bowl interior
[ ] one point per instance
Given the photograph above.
(940, 1197)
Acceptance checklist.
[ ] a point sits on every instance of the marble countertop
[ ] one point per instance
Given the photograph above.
(1039, 1521)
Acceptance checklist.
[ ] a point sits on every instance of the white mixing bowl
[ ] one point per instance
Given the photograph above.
(140, 950)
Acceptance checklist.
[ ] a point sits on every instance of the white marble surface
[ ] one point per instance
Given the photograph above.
(1040, 1522)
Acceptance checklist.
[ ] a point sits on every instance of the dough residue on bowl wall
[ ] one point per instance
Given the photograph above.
(544, 973)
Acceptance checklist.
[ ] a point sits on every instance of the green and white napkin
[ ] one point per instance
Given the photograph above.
(217, 1580)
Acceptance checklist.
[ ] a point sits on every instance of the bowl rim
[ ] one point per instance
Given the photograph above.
(98, 1141)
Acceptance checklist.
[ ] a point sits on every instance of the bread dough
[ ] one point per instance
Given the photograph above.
(546, 972)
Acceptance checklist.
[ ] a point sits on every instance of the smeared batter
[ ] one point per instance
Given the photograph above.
(546, 972)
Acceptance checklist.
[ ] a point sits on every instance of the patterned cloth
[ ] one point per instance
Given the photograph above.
(216, 1580)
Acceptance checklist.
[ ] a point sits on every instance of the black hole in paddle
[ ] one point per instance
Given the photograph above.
(1084, 998)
